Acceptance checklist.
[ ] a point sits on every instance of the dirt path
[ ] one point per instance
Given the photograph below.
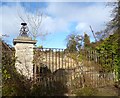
(108, 91)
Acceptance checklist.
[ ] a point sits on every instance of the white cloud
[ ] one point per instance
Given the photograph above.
(60, 15)
(10, 20)
(53, 25)
(82, 27)
(96, 15)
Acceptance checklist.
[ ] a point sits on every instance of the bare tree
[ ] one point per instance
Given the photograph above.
(35, 21)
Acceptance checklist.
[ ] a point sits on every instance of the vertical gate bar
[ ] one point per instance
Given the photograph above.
(86, 53)
(59, 57)
(95, 65)
(55, 62)
(90, 54)
(45, 51)
(52, 58)
(90, 73)
(95, 56)
(48, 79)
(65, 56)
(46, 56)
(53, 66)
(48, 61)
(74, 69)
(102, 63)
(71, 72)
(43, 56)
(99, 66)
(62, 57)
(59, 63)
(62, 63)
(91, 68)
(98, 62)
(68, 60)
(49, 56)
(94, 60)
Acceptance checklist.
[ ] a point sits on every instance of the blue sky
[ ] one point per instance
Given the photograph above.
(59, 20)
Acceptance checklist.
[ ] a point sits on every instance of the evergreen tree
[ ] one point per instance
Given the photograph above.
(86, 41)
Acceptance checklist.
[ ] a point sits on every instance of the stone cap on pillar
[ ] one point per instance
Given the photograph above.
(23, 36)
(22, 39)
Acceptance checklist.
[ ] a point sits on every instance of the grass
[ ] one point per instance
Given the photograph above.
(90, 91)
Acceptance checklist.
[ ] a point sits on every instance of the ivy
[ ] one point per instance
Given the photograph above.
(108, 53)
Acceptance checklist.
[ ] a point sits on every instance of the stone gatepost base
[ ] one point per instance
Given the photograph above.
(24, 54)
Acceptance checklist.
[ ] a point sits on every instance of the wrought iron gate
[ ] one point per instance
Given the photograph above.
(58, 68)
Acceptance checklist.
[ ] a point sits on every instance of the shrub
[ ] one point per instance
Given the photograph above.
(49, 88)
(86, 91)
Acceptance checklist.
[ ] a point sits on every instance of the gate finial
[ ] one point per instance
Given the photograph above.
(24, 29)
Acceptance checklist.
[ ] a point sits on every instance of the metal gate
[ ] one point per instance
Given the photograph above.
(60, 69)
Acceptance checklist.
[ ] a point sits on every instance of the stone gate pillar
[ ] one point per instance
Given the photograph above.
(24, 53)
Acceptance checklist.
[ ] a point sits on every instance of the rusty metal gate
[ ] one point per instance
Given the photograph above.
(60, 69)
